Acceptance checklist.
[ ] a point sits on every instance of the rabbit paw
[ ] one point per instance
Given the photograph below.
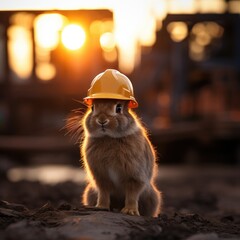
(130, 211)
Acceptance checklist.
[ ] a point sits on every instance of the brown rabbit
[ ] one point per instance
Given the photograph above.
(119, 160)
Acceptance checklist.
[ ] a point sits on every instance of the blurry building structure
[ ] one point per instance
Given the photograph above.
(190, 87)
(40, 73)
(188, 83)
(48, 60)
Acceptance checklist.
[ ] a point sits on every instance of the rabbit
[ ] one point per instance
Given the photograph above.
(119, 159)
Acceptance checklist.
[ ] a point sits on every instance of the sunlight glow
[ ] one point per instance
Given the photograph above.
(135, 26)
(54, 4)
(160, 10)
(73, 36)
(147, 35)
(135, 22)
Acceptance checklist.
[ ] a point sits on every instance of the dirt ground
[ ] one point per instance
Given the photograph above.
(199, 204)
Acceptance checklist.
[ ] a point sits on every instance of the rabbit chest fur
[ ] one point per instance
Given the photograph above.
(121, 160)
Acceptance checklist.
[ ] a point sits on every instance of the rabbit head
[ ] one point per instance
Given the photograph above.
(108, 117)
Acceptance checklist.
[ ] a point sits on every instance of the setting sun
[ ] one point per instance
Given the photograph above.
(73, 36)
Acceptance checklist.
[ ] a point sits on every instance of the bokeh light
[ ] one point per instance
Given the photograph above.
(178, 31)
(214, 29)
(110, 56)
(202, 35)
(47, 27)
(107, 41)
(73, 36)
(45, 71)
(20, 49)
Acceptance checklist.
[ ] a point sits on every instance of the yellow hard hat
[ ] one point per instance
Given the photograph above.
(111, 84)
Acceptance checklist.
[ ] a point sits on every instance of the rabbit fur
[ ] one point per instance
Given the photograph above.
(119, 159)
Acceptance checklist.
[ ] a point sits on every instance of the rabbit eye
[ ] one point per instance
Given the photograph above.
(118, 108)
(92, 108)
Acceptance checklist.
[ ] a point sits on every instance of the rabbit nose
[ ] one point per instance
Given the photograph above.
(102, 122)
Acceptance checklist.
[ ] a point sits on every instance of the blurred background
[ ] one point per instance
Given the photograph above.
(183, 57)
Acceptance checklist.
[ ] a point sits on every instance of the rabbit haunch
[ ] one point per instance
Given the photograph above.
(119, 160)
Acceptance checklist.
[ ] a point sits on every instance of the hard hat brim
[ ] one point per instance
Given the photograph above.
(88, 100)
